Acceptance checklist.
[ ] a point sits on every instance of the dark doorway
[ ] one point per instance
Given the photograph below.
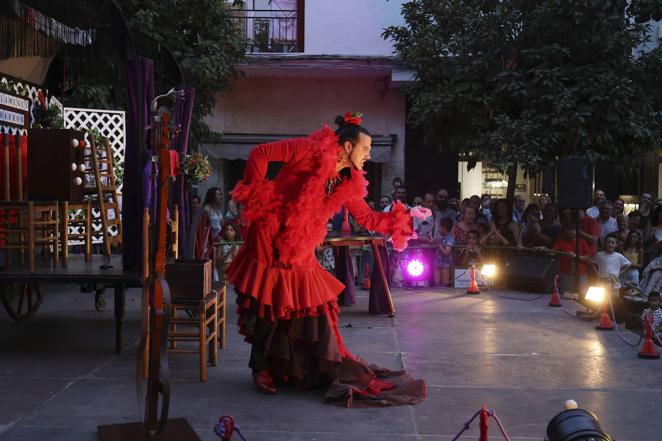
(426, 168)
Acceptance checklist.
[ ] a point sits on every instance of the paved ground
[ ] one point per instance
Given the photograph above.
(59, 377)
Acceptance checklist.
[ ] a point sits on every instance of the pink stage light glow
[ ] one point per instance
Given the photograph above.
(415, 268)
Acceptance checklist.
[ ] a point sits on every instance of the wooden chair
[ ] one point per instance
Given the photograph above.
(72, 222)
(203, 316)
(28, 224)
(221, 290)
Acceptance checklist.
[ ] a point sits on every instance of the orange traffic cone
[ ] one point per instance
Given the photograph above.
(366, 278)
(605, 323)
(649, 350)
(556, 298)
(473, 286)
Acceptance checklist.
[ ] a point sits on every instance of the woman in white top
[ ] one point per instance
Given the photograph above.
(212, 205)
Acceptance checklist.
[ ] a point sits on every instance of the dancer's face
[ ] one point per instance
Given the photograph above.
(358, 154)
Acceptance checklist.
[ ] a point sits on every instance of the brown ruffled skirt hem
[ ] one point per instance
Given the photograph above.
(308, 352)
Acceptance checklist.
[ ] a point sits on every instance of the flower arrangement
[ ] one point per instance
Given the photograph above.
(196, 166)
(45, 116)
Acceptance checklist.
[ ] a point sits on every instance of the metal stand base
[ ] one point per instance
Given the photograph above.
(177, 429)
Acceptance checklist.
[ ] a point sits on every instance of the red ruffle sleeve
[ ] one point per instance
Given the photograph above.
(397, 223)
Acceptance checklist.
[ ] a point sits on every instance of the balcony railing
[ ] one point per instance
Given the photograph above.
(275, 30)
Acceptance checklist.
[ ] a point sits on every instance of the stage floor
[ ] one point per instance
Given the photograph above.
(60, 378)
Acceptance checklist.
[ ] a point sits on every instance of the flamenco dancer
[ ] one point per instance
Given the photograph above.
(287, 302)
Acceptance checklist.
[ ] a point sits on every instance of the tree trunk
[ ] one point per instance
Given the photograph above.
(512, 180)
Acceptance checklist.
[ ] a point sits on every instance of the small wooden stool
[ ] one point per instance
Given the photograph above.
(84, 224)
(207, 328)
(42, 219)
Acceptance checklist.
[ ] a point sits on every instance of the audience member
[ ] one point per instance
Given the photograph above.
(212, 205)
(530, 230)
(229, 248)
(384, 202)
(474, 200)
(466, 223)
(471, 253)
(417, 201)
(589, 230)
(485, 205)
(549, 225)
(618, 207)
(443, 262)
(543, 200)
(400, 195)
(566, 243)
(505, 230)
(196, 203)
(654, 311)
(634, 222)
(645, 201)
(610, 264)
(372, 204)
(231, 213)
(454, 205)
(518, 209)
(444, 207)
(607, 223)
(634, 252)
(598, 197)
(653, 236)
(622, 222)
(428, 228)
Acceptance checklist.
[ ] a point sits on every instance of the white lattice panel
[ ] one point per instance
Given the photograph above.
(111, 124)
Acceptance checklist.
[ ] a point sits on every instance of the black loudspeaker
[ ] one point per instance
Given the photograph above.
(573, 183)
(527, 273)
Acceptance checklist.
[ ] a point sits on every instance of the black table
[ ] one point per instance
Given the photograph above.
(81, 272)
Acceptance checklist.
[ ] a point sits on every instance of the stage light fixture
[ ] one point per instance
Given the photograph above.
(576, 425)
(488, 270)
(415, 268)
(595, 294)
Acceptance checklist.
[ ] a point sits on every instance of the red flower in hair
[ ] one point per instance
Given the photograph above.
(353, 118)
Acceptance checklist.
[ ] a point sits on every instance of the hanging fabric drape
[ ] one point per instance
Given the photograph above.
(182, 112)
(140, 83)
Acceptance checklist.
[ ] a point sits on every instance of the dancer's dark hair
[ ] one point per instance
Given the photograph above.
(348, 132)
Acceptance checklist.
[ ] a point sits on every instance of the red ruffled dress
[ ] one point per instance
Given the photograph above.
(280, 282)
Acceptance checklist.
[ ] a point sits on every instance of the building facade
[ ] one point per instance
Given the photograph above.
(308, 61)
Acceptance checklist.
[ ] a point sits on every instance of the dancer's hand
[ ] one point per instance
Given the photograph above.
(419, 212)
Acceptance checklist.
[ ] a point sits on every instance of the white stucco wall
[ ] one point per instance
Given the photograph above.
(350, 27)
(287, 106)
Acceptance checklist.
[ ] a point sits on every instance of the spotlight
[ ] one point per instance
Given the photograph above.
(595, 294)
(488, 270)
(415, 268)
(576, 425)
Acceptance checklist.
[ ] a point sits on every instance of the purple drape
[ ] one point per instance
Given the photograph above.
(140, 84)
(182, 118)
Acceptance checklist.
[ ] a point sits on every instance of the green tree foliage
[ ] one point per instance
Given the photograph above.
(525, 81)
(200, 35)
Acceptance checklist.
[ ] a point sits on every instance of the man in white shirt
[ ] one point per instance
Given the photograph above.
(594, 211)
(607, 223)
(426, 228)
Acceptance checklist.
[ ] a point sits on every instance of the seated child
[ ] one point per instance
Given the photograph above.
(566, 243)
(610, 264)
(655, 311)
(229, 248)
(443, 262)
(471, 254)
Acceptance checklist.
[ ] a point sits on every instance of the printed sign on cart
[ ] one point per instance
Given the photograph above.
(14, 110)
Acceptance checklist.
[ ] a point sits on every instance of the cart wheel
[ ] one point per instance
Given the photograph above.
(99, 301)
(21, 300)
